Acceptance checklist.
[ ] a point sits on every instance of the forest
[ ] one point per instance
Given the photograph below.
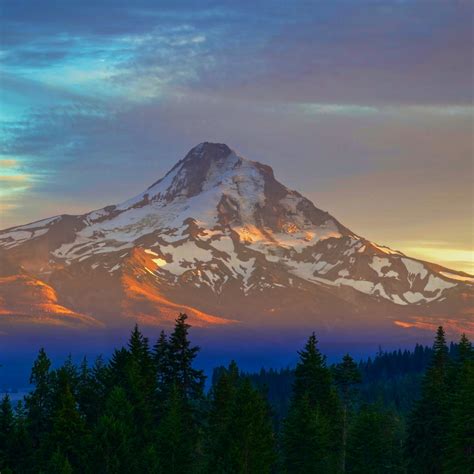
(148, 410)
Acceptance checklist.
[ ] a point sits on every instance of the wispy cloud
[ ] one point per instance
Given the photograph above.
(8, 164)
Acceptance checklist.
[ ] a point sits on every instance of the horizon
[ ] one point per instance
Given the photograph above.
(267, 350)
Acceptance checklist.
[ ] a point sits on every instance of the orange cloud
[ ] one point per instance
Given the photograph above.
(7, 164)
(14, 178)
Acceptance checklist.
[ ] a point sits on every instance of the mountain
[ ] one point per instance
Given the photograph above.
(221, 239)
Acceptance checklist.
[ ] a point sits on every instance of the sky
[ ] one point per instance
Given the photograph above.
(365, 107)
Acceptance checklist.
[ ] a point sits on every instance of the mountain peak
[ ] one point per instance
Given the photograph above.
(197, 163)
(218, 227)
(209, 150)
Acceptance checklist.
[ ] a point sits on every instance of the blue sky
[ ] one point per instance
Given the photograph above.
(364, 106)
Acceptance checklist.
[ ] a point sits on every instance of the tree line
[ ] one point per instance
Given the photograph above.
(146, 411)
(391, 378)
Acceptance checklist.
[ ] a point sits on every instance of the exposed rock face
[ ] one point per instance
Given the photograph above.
(220, 238)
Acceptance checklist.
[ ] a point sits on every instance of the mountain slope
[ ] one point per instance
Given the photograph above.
(222, 239)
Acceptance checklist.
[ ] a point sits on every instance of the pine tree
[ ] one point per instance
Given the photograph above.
(374, 443)
(346, 375)
(219, 437)
(314, 410)
(68, 434)
(176, 437)
(87, 397)
(306, 440)
(441, 354)
(429, 419)
(69, 374)
(115, 436)
(150, 461)
(181, 394)
(116, 371)
(312, 378)
(240, 435)
(59, 464)
(187, 379)
(139, 349)
(141, 382)
(163, 370)
(21, 449)
(96, 389)
(465, 350)
(7, 426)
(252, 448)
(459, 448)
(39, 401)
(124, 370)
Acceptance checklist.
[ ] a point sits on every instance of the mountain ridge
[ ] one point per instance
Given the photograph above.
(219, 233)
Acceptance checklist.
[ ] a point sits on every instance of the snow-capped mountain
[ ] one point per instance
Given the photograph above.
(220, 238)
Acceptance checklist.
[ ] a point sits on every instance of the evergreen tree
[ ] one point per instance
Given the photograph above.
(150, 461)
(188, 380)
(7, 426)
(429, 419)
(312, 377)
(115, 436)
(88, 396)
(440, 354)
(374, 443)
(346, 375)
(130, 370)
(181, 394)
(141, 383)
(39, 401)
(465, 350)
(459, 449)
(59, 464)
(162, 362)
(252, 450)
(69, 374)
(94, 390)
(240, 435)
(68, 435)
(21, 449)
(116, 371)
(219, 436)
(307, 440)
(140, 353)
(315, 410)
(176, 437)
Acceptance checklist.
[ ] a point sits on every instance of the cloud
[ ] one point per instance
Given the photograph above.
(6, 179)
(6, 164)
(458, 258)
(351, 52)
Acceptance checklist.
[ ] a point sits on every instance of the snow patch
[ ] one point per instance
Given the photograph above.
(438, 284)
(414, 269)
(378, 263)
(413, 297)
